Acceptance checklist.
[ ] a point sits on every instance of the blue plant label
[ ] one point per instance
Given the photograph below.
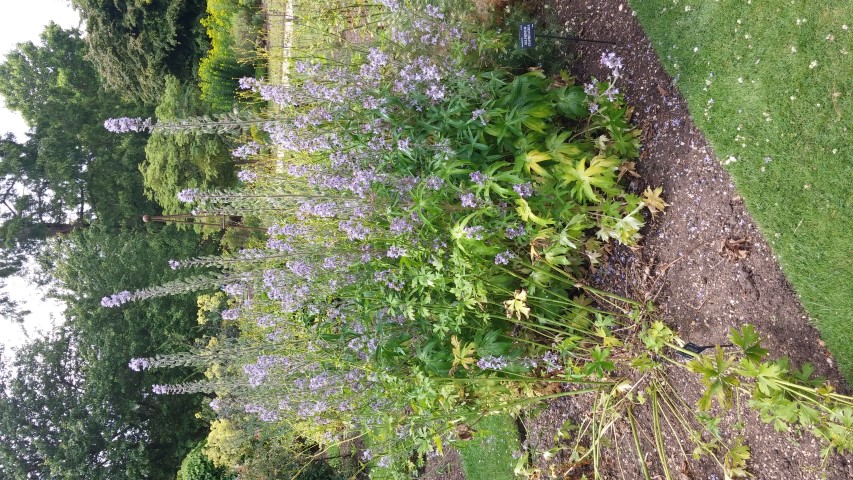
(526, 35)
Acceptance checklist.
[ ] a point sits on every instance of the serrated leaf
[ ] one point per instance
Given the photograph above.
(462, 355)
(652, 200)
(747, 339)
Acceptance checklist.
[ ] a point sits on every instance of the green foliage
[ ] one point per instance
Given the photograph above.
(60, 97)
(196, 466)
(174, 162)
(548, 53)
(76, 381)
(230, 31)
(69, 164)
(134, 44)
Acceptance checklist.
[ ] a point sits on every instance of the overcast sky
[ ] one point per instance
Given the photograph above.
(21, 21)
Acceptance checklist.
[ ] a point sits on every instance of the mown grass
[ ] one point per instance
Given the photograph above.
(488, 455)
(771, 85)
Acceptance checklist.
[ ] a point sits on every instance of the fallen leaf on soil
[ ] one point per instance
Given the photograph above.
(464, 431)
(652, 200)
(629, 168)
(734, 249)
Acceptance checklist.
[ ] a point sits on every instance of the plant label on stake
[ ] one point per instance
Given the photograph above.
(526, 35)
(697, 349)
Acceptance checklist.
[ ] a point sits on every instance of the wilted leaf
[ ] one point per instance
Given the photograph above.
(652, 200)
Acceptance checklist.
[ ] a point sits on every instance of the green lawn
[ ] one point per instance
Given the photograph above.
(488, 456)
(770, 82)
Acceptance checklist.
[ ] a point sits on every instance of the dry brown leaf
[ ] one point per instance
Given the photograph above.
(734, 249)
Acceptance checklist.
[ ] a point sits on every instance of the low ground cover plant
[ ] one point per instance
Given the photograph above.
(430, 219)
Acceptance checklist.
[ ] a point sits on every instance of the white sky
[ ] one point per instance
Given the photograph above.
(21, 21)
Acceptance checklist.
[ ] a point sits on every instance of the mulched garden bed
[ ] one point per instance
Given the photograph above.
(704, 261)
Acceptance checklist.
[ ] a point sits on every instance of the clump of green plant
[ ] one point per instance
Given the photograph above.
(234, 33)
(548, 49)
(196, 466)
(187, 159)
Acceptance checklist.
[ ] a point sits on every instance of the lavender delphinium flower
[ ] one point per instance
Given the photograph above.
(139, 364)
(354, 230)
(611, 92)
(301, 269)
(434, 183)
(490, 362)
(395, 252)
(503, 258)
(611, 61)
(174, 264)
(552, 362)
(116, 299)
(478, 115)
(514, 232)
(478, 177)
(230, 314)
(233, 289)
(127, 124)
(187, 195)
(316, 209)
(248, 83)
(468, 200)
(247, 176)
(267, 321)
(244, 151)
(434, 12)
(400, 226)
(474, 233)
(524, 190)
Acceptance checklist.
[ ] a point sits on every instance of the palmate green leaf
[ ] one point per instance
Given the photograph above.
(766, 375)
(463, 355)
(747, 339)
(656, 336)
(778, 410)
(717, 377)
(600, 173)
(532, 162)
(572, 102)
(600, 364)
(808, 415)
(734, 463)
(524, 211)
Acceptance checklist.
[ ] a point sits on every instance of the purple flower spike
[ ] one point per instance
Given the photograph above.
(187, 195)
(127, 124)
(116, 299)
(139, 364)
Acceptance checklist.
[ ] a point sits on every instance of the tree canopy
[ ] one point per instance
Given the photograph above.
(175, 161)
(135, 43)
(69, 405)
(70, 170)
